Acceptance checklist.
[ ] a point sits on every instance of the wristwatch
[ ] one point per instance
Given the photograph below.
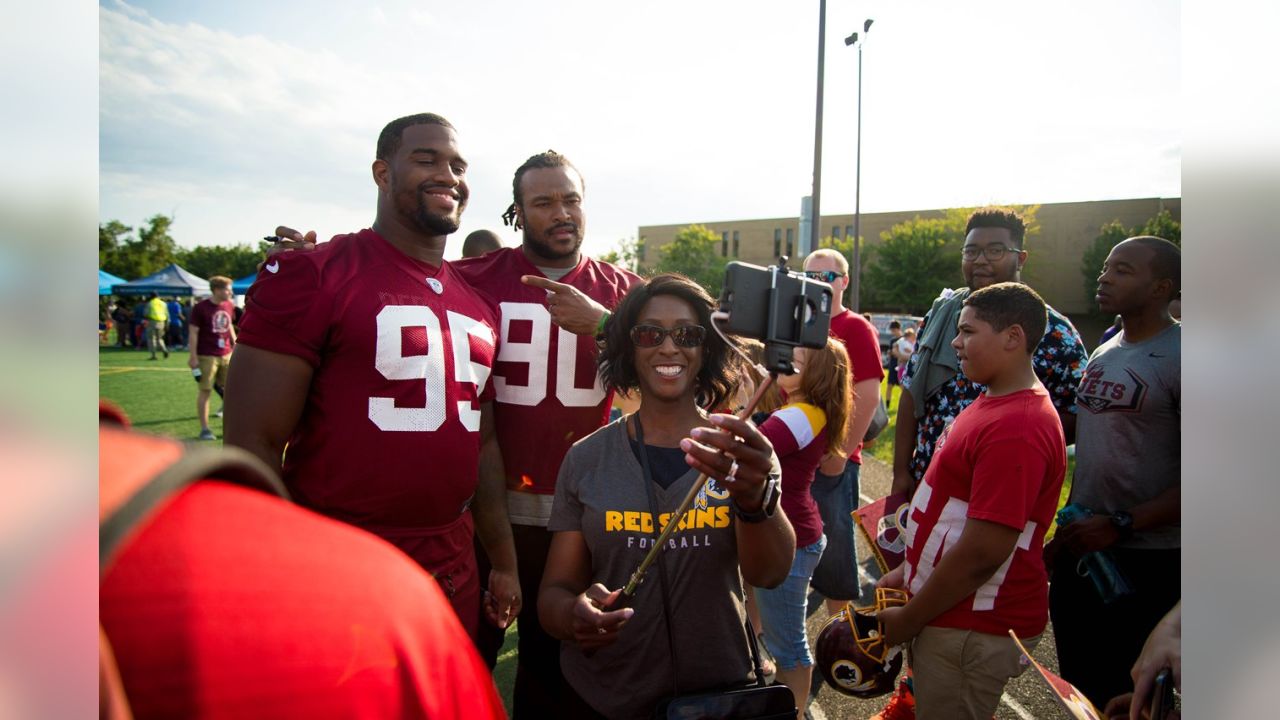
(1123, 523)
(772, 492)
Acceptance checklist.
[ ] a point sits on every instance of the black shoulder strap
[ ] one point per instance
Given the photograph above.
(228, 464)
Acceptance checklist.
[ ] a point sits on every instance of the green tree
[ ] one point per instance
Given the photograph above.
(132, 258)
(1164, 226)
(915, 260)
(695, 252)
(234, 261)
(111, 238)
(1109, 235)
(626, 254)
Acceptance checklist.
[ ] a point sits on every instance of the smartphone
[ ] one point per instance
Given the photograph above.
(1162, 695)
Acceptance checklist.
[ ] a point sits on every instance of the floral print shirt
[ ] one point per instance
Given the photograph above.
(1059, 362)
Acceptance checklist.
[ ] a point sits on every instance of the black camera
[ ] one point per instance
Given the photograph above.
(783, 309)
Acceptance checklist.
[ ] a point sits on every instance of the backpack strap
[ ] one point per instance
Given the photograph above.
(139, 473)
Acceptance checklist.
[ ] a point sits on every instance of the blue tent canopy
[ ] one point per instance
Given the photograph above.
(173, 280)
(241, 286)
(106, 281)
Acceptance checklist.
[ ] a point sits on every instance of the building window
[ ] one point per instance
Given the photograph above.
(791, 241)
(835, 232)
(735, 243)
(640, 250)
(777, 242)
(848, 231)
(724, 244)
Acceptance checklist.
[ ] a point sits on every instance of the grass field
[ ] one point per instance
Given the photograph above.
(160, 397)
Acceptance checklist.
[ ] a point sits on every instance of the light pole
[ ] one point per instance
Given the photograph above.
(855, 274)
(816, 207)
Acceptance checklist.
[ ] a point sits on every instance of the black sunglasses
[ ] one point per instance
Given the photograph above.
(827, 276)
(689, 336)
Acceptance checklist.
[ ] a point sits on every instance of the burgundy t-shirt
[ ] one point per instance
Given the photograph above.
(213, 321)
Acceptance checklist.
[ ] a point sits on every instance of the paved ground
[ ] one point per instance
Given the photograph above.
(1026, 697)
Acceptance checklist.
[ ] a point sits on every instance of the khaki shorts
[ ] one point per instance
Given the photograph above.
(962, 673)
(213, 367)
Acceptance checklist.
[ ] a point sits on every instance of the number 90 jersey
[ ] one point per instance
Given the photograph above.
(548, 394)
(402, 353)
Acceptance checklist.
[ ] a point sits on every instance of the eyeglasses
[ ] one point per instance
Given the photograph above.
(689, 336)
(827, 276)
(992, 252)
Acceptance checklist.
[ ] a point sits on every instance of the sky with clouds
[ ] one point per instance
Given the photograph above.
(237, 116)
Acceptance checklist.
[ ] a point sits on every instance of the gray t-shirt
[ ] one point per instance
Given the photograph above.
(1128, 429)
(601, 493)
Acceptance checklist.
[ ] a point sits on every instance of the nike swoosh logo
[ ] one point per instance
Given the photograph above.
(274, 267)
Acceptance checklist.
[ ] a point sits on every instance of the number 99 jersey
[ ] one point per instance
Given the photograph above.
(402, 352)
(548, 394)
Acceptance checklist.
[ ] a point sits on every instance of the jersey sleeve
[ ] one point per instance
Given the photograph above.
(1007, 475)
(287, 311)
(792, 429)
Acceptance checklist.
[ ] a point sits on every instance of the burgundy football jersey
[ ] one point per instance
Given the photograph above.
(545, 380)
(402, 351)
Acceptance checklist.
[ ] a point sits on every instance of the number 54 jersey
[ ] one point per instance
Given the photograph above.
(548, 395)
(402, 352)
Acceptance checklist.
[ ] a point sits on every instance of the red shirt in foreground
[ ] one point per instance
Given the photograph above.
(229, 603)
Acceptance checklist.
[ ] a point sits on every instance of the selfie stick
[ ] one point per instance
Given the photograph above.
(638, 576)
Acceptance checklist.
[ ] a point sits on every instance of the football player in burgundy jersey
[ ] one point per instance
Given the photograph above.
(365, 365)
(551, 301)
(548, 395)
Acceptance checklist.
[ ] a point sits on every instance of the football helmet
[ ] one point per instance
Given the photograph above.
(850, 653)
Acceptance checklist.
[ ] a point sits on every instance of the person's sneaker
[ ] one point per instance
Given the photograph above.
(207, 434)
(166, 354)
(902, 705)
(219, 413)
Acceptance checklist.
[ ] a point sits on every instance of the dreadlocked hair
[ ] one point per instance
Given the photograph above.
(548, 159)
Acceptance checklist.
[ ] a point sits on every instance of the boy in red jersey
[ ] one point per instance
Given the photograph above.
(370, 358)
(977, 522)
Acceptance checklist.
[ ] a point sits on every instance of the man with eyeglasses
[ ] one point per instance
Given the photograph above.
(835, 486)
(935, 390)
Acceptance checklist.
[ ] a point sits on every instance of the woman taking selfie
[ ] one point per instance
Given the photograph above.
(613, 484)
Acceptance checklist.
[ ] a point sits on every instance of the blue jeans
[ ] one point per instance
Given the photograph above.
(782, 610)
(836, 577)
